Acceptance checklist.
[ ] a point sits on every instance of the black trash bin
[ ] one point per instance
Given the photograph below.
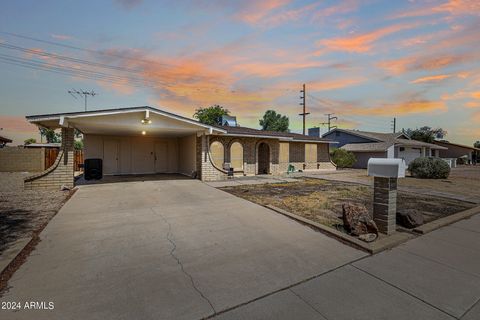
(93, 169)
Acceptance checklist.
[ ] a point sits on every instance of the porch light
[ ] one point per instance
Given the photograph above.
(146, 121)
(144, 132)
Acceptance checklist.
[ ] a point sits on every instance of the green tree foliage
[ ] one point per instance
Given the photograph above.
(78, 144)
(343, 158)
(426, 134)
(429, 168)
(30, 141)
(50, 135)
(210, 115)
(477, 144)
(273, 121)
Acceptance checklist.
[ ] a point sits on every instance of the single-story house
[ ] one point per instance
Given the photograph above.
(366, 145)
(146, 140)
(456, 151)
(4, 141)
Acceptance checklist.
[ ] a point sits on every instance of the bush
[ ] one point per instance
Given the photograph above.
(429, 168)
(343, 158)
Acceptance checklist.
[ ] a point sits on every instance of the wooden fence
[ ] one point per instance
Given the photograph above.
(50, 156)
(52, 153)
(78, 160)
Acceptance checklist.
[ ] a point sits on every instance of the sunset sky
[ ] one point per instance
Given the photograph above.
(366, 61)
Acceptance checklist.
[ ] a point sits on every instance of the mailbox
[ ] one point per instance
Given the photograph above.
(386, 168)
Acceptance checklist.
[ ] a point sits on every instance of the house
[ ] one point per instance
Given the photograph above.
(146, 140)
(456, 151)
(4, 141)
(366, 145)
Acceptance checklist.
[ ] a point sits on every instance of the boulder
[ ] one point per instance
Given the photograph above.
(357, 220)
(368, 237)
(410, 218)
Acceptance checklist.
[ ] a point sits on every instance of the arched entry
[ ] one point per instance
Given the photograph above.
(263, 158)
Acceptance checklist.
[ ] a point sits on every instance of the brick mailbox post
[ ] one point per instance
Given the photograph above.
(386, 173)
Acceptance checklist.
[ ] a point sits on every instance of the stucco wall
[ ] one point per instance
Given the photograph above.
(187, 155)
(13, 159)
(135, 154)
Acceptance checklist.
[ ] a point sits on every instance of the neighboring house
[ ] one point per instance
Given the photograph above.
(366, 145)
(144, 140)
(456, 150)
(4, 141)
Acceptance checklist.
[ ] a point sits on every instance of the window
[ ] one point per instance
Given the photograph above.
(217, 153)
(402, 148)
(236, 156)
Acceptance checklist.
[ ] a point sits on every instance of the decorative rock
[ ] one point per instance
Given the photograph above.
(357, 220)
(368, 237)
(410, 218)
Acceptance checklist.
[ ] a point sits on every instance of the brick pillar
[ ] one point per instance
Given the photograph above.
(385, 204)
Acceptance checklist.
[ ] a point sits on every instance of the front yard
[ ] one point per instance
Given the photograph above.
(321, 200)
(23, 212)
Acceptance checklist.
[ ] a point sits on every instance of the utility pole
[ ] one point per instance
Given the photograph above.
(83, 93)
(329, 121)
(394, 125)
(304, 113)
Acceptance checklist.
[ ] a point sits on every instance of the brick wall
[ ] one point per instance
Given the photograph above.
(13, 159)
(208, 171)
(61, 173)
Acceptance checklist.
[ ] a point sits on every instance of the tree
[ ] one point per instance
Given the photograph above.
(210, 115)
(30, 141)
(343, 158)
(50, 135)
(273, 121)
(426, 134)
(78, 144)
(477, 144)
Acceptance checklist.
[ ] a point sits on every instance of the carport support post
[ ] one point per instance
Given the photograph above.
(385, 204)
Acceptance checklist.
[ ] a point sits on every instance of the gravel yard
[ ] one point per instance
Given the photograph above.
(22, 212)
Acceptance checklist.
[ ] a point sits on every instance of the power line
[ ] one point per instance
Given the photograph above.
(83, 93)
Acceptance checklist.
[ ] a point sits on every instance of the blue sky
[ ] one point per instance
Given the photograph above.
(366, 61)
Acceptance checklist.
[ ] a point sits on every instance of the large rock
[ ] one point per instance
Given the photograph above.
(357, 220)
(410, 218)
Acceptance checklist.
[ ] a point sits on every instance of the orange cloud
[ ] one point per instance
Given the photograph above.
(421, 63)
(363, 42)
(408, 107)
(435, 78)
(452, 7)
(472, 104)
(333, 84)
(254, 11)
(476, 116)
(476, 95)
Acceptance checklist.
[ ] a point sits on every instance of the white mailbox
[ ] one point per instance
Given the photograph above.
(386, 168)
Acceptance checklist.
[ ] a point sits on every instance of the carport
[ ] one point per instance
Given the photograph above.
(138, 140)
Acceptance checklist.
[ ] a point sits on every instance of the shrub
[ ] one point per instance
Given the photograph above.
(429, 168)
(343, 158)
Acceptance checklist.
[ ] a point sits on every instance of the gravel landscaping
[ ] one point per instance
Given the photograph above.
(321, 200)
(23, 212)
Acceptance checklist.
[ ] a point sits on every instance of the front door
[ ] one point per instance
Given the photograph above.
(110, 156)
(263, 158)
(161, 159)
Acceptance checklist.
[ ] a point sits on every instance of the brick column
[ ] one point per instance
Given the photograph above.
(385, 204)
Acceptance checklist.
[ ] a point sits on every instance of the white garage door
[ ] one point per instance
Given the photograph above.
(409, 154)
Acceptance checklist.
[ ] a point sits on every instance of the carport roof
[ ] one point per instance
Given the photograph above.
(123, 121)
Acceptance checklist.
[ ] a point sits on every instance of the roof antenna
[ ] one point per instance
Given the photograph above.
(83, 93)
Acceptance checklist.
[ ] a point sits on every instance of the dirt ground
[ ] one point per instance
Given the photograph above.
(463, 181)
(321, 200)
(22, 212)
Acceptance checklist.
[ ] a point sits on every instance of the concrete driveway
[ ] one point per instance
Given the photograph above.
(176, 249)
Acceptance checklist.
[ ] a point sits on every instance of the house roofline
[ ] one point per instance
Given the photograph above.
(81, 114)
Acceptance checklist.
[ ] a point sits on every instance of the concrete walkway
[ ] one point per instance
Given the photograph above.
(436, 276)
(173, 249)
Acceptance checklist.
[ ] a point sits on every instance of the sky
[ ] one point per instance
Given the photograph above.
(365, 61)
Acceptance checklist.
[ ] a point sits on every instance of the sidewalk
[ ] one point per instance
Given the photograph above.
(436, 276)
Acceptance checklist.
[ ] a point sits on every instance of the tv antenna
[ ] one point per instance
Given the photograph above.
(74, 93)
